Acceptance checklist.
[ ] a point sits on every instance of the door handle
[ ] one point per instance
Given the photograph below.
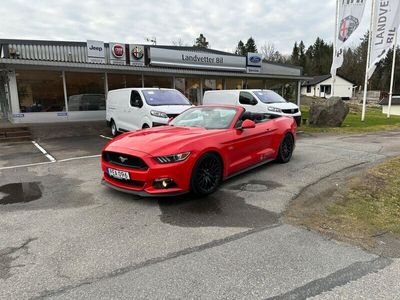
(270, 129)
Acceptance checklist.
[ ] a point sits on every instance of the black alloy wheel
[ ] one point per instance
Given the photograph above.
(206, 175)
(286, 149)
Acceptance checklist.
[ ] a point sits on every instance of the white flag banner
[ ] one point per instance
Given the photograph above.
(349, 18)
(385, 24)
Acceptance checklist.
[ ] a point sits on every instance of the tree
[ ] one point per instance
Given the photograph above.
(295, 55)
(302, 55)
(201, 42)
(250, 46)
(240, 49)
(271, 54)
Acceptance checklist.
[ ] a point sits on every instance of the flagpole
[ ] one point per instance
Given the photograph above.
(367, 64)
(392, 75)
(335, 44)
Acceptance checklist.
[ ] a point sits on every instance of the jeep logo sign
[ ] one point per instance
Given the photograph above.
(95, 52)
(254, 60)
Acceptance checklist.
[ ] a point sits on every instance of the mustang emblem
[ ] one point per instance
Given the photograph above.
(123, 159)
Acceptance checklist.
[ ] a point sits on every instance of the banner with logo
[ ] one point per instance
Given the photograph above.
(136, 55)
(117, 53)
(349, 18)
(95, 52)
(385, 25)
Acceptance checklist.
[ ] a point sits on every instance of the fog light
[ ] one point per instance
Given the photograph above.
(164, 183)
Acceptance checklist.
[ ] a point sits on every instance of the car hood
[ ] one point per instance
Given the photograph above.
(161, 140)
(287, 105)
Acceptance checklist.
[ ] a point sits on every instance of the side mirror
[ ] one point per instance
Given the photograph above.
(170, 119)
(248, 124)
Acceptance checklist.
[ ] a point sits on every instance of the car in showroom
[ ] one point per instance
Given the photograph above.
(196, 151)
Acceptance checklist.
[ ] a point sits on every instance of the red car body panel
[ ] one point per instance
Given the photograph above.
(239, 149)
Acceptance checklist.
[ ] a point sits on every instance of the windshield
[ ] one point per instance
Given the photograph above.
(159, 97)
(206, 117)
(269, 97)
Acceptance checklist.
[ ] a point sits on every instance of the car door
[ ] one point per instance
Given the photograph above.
(250, 102)
(250, 146)
(133, 113)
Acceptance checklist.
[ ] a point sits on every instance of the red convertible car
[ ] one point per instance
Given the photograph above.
(197, 151)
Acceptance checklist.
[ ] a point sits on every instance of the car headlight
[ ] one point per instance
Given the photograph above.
(167, 159)
(274, 109)
(159, 114)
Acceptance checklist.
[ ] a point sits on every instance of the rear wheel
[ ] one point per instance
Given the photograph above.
(206, 175)
(114, 130)
(286, 149)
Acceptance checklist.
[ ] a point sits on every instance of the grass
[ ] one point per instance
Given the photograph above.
(375, 120)
(372, 204)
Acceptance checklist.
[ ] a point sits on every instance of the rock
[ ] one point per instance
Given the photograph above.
(331, 113)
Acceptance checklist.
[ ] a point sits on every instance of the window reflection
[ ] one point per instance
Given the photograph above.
(40, 91)
(85, 91)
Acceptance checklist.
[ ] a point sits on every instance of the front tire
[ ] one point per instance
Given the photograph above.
(206, 174)
(114, 130)
(286, 149)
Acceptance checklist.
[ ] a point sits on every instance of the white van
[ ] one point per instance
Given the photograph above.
(136, 108)
(257, 101)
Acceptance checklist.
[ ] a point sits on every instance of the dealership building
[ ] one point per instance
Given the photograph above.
(57, 81)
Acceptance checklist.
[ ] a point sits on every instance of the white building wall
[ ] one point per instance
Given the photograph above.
(342, 88)
(394, 110)
(310, 94)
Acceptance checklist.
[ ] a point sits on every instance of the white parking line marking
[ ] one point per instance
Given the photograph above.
(27, 165)
(80, 157)
(105, 137)
(49, 162)
(49, 157)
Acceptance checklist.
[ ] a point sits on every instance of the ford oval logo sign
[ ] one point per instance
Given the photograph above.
(255, 59)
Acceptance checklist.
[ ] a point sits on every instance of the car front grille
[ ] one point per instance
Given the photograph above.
(124, 160)
(291, 111)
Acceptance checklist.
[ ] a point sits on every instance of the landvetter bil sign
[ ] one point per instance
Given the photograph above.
(198, 60)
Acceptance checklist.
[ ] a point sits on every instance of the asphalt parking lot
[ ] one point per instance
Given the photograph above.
(64, 235)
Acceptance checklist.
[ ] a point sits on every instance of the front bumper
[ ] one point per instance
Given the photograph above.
(141, 182)
(140, 193)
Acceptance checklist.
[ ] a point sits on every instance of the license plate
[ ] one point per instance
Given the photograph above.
(118, 174)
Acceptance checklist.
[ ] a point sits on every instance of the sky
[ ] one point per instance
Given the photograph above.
(223, 22)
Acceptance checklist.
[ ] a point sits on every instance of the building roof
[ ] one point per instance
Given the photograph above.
(395, 100)
(321, 78)
(70, 54)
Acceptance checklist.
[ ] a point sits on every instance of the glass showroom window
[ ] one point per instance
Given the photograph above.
(287, 89)
(158, 82)
(254, 84)
(40, 91)
(190, 87)
(120, 81)
(213, 84)
(85, 91)
(234, 84)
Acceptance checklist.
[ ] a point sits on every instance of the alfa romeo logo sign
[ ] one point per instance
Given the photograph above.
(137, 53)
(347, 27)
(118, 51)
